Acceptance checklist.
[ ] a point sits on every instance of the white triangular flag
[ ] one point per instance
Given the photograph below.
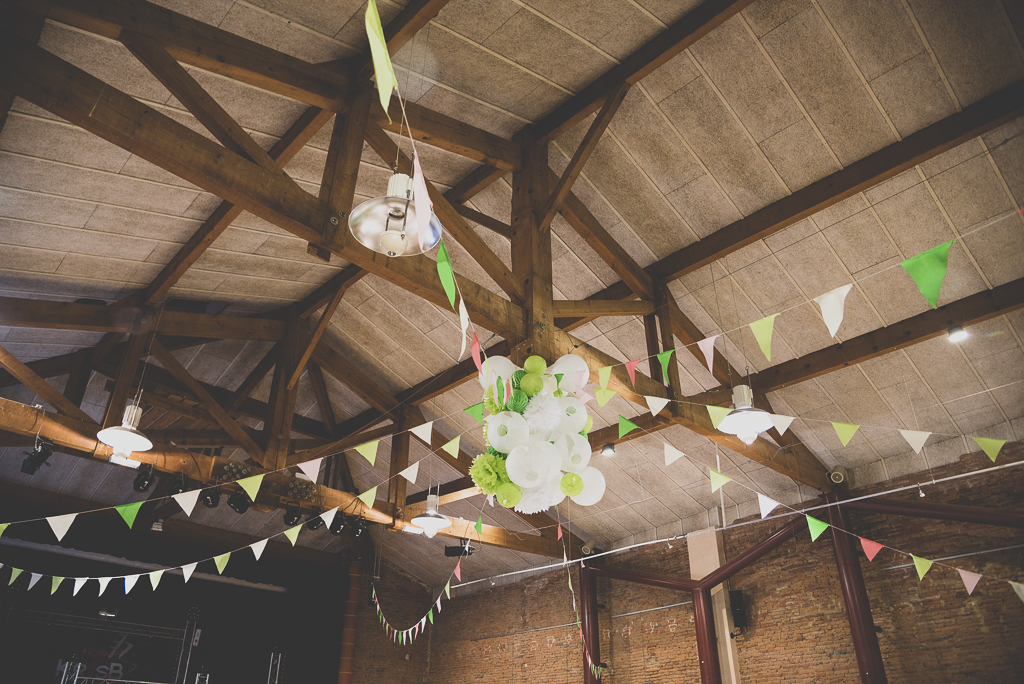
(35, 578)
(672, 454)
(129, 582)
(423, 623)
(60, 524)
(464, 322)
(423, 431)
(79, 583)
(655, 404)
(328, 516)
(438, 604)
(187, 571)
(707, 345)
(311, 469)
(257, 548)
(915, 439)
(104, 581)
(187, 501)
(832, 304)
(411, 472)
(421, 196)
(781, 423)
(767, 505)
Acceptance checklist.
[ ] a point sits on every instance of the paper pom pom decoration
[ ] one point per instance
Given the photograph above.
(537, 449)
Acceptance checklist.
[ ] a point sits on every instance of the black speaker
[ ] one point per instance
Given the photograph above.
(739, 609)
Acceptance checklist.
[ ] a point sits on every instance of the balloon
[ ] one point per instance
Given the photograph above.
(496, 367)
(593, 487)
(535, 364)
(571, 484)
(532, 384)
(530, 465)
(577, 452)
(570, 366)
(508, 494)
(506, 431)
(554, 492)
(574, 415)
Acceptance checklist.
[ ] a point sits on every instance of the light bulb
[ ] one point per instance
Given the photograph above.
(429, 532)
(958, 334)
(748, 438)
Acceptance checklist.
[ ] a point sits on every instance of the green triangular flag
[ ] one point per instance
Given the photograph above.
(154, 578)
(369, 451)
(368, 497)
(499, 399)
(762, 330)
(717, 480)
(923, 565)
(604, 375)
(845, 431)
(452, 447)
(382, 68)
(54, 584)
(221, 562)
(444, 272)
(816, 527)
(928, 269)
(129, 511)
(293, 534)
(603, 395)
(251, 485)
(3, 528)
(626, 426)
(664, 357)
(14, 575)
(477, 411)
(480, 525)
(430, 615)
(717, 413)
(448, 590)
(990, 446)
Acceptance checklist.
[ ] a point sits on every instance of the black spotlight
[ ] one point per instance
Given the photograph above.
(144, 480)
(338, 524)
(464, 547)
(360, 527)
(292, 516)
(178, 487)
(210, 497)
(239, 502)
(36, 457)
(314, 521)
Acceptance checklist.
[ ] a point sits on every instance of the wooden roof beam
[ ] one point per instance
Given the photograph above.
(594, 308)
(42, 389)
(482, 219)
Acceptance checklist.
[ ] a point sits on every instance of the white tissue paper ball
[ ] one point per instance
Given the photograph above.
(593, 487)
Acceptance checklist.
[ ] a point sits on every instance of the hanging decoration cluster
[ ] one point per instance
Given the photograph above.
(536, 433)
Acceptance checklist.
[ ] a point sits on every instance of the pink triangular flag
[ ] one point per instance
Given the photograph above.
(474, 350)
(631, 367)
(458, 570)
(781, 423)
(311, 468)
(581, 379)
(707, 345)
(559, 531)
(584, 396)
(871, 548)
(970, 580)
(766, 505)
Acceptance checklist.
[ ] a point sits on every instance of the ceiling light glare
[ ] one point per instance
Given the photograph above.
(958, 334)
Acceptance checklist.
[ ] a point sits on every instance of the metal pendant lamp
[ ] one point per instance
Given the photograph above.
(387, 225)
(126, 438)
(745, 421)
(430, 521)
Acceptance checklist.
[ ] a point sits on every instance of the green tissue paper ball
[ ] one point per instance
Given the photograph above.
(571, 484)
(517, 377)
(532, 383)
(488, 472)
(518, 401)
(509, 494)
(535, 364)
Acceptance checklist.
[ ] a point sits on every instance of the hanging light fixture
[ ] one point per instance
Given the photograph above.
(745, 421)
(388, 224)
(430, 521)
(126, 438)
(957, 334)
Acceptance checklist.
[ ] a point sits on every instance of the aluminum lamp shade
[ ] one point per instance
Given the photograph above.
(430, 521)
(745, 421)
(125, 438)
(387, 225)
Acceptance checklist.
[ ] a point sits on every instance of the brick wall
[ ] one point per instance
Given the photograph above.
(931, 631)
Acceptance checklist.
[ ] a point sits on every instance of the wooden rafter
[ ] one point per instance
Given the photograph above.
(78, 377)
(309, 344)
(338, 185)
(323, 399)
(473, 183)
(593, 308)
(277, 423)
(42, 389)
(480, 218)
(321, 296)
(254, 378)
(28, 26)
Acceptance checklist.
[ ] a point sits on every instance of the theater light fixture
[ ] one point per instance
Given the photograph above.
(430, 521)
(337, 525)
(745, 421)
(292, 515)
(36, 457)
(210, 497)
(144, 480)
(314, 521)
(388, 224)
(239, 502)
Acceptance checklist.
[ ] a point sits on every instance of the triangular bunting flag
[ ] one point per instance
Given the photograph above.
(477, 411)
(559, 531)
(479, 527)
(444, 272)
(626, 426)
(816, 527)
(368, 497)
(832, 305)
(845, 431)
(871, 548)
(631, 369)
(3, 528)
(922, 565)
(130, 582)
(221, 562)
(452, 447)
(382, 68)
(257, 548)
(970, 580)
(55, 582)
(663, 357)
(251, 485)
(327, 517)
(187, 500)
(104, 581)
(707, 346)
(915, 439)
(762, 330)
(781, 423)
(423, 431)
(458, 571)
(293, 533)
(79, 583)
(187, 570)
(463, 322)
(991, 447)
(474, 352)
(603, 395)
(1018, 589)
(603, 376)
(128, 512)
(311, 469)
(155, 577)
(656, 404)
(447, 590)
(411, 472)
(928, 269)
(766, 505)
(672, 454)
(33, 578)
(718, 479)
(430, 615)
(439, 602)
(369, 451)
(14, 575)
(718, 414)
(60, 524)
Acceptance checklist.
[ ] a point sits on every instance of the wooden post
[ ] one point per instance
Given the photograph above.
(400, 443)
(281, 404)
(653, 345)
